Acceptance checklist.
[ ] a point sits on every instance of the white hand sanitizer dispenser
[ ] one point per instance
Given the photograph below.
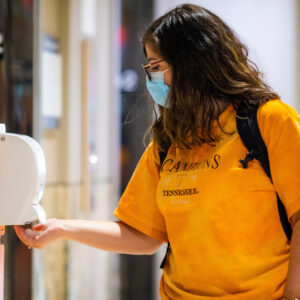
(22, 183)
(22, 179)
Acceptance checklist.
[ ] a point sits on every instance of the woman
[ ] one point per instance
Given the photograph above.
(226, 240)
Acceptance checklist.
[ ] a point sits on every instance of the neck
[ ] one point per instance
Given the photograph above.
(222, 107)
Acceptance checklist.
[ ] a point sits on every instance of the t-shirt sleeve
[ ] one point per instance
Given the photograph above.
(138, 207)
(280, 129)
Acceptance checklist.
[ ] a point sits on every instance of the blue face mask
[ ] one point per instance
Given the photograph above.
(158, 89)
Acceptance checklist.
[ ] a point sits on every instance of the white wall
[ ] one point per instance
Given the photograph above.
(268, 28)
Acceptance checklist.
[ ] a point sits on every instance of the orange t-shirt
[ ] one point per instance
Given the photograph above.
(222, 220)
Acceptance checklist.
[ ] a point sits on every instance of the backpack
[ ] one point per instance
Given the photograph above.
(248, 129)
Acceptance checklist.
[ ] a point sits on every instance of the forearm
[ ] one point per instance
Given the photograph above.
(110, 236)
(292, 288)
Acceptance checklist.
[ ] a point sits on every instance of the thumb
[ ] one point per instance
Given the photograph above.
(39, 227)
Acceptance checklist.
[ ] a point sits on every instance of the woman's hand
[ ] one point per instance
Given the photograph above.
(40, 235)
(111, 236)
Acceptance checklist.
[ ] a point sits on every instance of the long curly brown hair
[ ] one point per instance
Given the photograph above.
(210, 68)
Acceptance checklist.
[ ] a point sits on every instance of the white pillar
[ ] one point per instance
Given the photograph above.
(94, 274)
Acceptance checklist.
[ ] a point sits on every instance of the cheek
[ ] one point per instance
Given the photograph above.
(168, 78)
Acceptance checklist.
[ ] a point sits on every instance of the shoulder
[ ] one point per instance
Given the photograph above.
(276, 120)
(275, 111)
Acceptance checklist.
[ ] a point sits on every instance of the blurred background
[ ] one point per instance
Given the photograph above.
(70, 77)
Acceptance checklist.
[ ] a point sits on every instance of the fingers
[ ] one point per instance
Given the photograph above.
(40, 235)
(21, 234)
(27, 236)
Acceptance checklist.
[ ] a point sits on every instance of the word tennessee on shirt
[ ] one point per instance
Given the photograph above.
(182, 192)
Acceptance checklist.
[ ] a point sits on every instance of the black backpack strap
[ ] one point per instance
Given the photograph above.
(162, 265)
(162, 157)
(248, 129)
